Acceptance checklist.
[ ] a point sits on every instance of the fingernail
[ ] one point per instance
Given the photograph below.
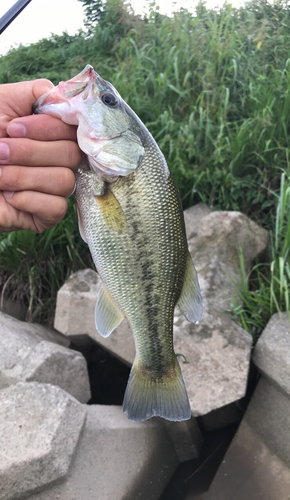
(4, 151)
(0, 171)
(16, 130)
(8, 194)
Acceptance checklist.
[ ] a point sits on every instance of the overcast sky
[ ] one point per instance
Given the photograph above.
(42, 17)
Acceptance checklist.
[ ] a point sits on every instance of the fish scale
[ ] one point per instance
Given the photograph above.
(131, 216)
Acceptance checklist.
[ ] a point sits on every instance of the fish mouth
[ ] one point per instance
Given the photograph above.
(62, 94)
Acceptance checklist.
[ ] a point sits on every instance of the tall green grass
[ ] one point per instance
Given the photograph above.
(266, 290)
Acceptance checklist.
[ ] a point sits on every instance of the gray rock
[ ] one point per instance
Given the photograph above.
(117, 460)
(215, 251)
(192, 218)
(40, 426)
(272, 352)
(26, 355)
(256, 465)
(217, 355)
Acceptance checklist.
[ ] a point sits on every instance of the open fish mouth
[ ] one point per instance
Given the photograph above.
(65, 91)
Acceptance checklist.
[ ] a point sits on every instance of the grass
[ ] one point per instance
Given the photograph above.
(214, 90)
(34, 266)
(266, 290)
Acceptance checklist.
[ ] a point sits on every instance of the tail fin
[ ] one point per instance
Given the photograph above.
(147, 397)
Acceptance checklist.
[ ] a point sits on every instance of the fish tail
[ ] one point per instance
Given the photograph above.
(148, 396)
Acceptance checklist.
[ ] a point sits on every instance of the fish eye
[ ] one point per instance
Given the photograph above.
(109, 99)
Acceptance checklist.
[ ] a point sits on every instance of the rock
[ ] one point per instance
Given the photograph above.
(40, 426)
(117, 460)
(256, 464)
(26, 355)
(272, 352)
(215, 252)
(217, 355)
(192, 218)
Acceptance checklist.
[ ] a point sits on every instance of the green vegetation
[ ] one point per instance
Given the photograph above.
(214, 90)
(267, 289)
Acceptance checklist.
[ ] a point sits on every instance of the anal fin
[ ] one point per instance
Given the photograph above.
(107, 315)
(190, 302)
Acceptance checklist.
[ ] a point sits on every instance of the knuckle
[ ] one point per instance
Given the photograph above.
(11, 177)
(58, 210)
(73, 154)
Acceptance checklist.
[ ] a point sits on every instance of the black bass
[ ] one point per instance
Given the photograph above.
(131, 217)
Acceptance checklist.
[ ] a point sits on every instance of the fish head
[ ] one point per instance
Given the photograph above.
(108, 130)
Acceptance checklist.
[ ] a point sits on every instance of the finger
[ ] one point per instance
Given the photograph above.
(47, 210)
(41, 128)
(17, 99)
(58, 181)
(30, 152)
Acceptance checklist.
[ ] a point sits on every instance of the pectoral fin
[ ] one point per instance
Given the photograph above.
(81, 226)
(107, 315)
(111, 211)
(190, 298)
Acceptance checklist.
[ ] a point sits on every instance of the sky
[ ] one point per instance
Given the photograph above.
(42, 17)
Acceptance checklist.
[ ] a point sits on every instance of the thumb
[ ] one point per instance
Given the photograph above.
(40, 87)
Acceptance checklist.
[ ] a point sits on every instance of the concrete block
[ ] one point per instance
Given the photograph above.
(217, 356)
(26, 356)
(215, 251)
(40, 426)
(250, 471)
(257, 463)
(117, 460)
(272, 352)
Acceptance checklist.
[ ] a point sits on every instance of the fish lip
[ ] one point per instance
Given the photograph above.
(58, 95)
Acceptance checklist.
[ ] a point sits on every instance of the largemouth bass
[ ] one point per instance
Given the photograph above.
(131, 217)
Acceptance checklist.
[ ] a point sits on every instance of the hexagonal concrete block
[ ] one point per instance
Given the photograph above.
(26, 355)
(40, 426)
(117, 460)
(215, 358)
(257, 464)
(215, 250)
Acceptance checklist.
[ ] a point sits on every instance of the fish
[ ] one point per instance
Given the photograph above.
(131, 217)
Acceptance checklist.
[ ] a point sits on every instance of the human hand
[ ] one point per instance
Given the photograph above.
(38, 154)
